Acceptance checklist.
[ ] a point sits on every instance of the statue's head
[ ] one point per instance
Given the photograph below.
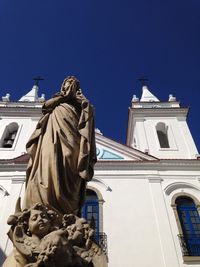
(70, 83)
(39, 220)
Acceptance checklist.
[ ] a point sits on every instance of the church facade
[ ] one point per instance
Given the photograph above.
(144, 199)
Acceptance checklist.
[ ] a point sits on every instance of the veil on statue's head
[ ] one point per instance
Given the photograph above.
(75, 83)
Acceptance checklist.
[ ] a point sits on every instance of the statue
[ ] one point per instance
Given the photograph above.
(62, 151)
(47, 231)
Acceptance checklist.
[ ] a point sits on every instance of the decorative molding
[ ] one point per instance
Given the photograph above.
(159, 112)
(183, 193)
(18, 179)
(191, 259)
(124, 150)
(156, 165)
(106, 154)
(179, 185)
(99, 195)
(13, 167)
(21, 110)
(102, 183)
(155, 179)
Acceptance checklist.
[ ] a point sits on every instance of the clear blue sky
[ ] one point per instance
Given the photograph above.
(107, 44)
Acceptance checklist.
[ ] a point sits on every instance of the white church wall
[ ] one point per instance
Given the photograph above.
(13, 182)
(140, 134)
(138, 217)
(126, 213)
(185, 132)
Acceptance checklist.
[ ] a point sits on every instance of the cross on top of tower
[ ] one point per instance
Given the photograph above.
(38, 79)
(143, 80)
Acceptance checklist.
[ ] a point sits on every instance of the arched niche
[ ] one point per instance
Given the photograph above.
(162, 133)
(9, 135)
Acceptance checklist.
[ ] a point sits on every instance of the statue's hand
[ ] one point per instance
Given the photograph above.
(50, 104)
(80, 97)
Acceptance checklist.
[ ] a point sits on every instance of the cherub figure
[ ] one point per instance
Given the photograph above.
(44, 238)
(37, 239)
(81, 236)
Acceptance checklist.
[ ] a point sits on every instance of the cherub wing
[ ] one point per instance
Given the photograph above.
(19, 241)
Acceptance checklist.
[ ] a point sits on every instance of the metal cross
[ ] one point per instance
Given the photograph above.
(38, 79)
(143, 80)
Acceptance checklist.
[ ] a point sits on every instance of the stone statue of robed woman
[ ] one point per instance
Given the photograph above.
(62, 151)
(48, 230)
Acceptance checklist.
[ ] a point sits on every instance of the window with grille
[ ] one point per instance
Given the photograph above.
(90, 211)
(190, 224)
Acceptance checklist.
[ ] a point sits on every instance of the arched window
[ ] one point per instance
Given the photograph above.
(90, 211)
(9, 135)
(190, 224)
(162, 130)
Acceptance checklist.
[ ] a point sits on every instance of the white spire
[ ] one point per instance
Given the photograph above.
(32, 95)
(147, 96)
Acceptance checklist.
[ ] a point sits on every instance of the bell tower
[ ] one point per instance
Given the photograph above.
(18, 119)
(160, 128)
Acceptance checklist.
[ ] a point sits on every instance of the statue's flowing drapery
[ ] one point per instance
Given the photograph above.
(62, 154)
(62, 157)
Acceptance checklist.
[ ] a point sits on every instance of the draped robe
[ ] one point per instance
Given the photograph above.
(62, 154)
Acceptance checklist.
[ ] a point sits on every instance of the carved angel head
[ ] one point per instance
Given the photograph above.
(39, 220)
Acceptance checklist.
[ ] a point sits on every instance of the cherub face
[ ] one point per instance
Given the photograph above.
(39, 223)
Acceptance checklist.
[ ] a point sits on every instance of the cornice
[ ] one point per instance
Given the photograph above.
(21, 104)
(10, 167)
(21, 111)
(115, 165)
(18, 179)
(159, 112)
(158, 165)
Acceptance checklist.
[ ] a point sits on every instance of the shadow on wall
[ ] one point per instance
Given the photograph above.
(2, 257)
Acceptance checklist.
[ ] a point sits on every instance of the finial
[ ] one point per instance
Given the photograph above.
(172, 98)
(42, 98)
(135, 98)
(98, 131)
(6, 98)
